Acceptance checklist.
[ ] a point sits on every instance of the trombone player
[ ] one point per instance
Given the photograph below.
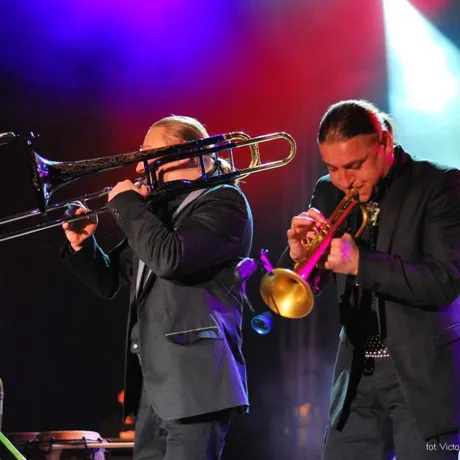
(185, 372)
(397, 371)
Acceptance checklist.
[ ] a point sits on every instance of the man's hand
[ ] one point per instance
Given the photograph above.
(126, 185)
(302, 228)
(343, 256)
(79, 231)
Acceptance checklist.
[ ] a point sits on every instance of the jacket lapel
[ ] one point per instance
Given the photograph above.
(390, 206)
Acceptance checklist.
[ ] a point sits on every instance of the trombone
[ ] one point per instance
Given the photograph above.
(48, 176)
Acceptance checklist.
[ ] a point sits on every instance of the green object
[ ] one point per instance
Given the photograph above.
(14, 452)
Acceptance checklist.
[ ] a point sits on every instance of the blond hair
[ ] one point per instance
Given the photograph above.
(187, 129)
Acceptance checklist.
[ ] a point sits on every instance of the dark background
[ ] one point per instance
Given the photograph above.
(90, 79)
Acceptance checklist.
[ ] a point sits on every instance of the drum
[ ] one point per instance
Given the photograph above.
(23, 441)
(69, 445)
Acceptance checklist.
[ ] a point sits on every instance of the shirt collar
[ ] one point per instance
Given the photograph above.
(385, 182)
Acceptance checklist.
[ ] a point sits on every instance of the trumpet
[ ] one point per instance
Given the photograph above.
(48, 176)
(291, 293)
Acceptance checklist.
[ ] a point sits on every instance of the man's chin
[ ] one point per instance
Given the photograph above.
(364, 197)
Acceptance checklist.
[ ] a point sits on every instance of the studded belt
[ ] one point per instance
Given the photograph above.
(374, 348)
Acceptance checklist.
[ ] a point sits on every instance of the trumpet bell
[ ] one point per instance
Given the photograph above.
(286, 293)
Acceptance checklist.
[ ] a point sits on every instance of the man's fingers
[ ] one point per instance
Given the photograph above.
(316, 215)
(143, 190)
(347, 237)
(302, 224)
(331, 261)
(75, 209)
(335, 243)
(302, 220)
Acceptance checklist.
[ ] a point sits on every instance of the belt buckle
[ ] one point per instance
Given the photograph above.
(368, 366)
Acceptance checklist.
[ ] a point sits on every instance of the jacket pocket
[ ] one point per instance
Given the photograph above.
(188, 336)
(448, 336)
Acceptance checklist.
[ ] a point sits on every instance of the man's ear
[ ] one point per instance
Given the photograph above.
(207, 161)
(386, 139)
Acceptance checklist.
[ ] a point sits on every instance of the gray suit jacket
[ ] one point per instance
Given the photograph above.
(189, 310)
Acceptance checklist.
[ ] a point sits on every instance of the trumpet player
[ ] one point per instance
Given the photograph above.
(185, 371)
(397, 371)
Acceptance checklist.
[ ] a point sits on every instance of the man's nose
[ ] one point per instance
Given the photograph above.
(140, 167)
(347, 178)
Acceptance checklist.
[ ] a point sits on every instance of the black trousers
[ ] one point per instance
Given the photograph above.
(194, 438)
(379, 424)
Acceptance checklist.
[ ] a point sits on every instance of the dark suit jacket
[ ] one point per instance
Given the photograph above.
(190, 309)
(415, 273)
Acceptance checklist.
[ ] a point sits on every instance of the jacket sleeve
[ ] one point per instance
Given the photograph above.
(101, 272)
(211, 235)
(435, 280)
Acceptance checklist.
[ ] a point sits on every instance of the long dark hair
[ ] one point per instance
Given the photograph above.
(347, 119)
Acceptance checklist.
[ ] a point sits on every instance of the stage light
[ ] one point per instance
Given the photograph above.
(423, 84)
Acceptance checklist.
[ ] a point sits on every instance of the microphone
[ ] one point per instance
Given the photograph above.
(262, 323)
(243, 271)
(245, 268)
(6, 138)
(1, 404)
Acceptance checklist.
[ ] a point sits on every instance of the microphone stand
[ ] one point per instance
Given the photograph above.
(3, 439)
